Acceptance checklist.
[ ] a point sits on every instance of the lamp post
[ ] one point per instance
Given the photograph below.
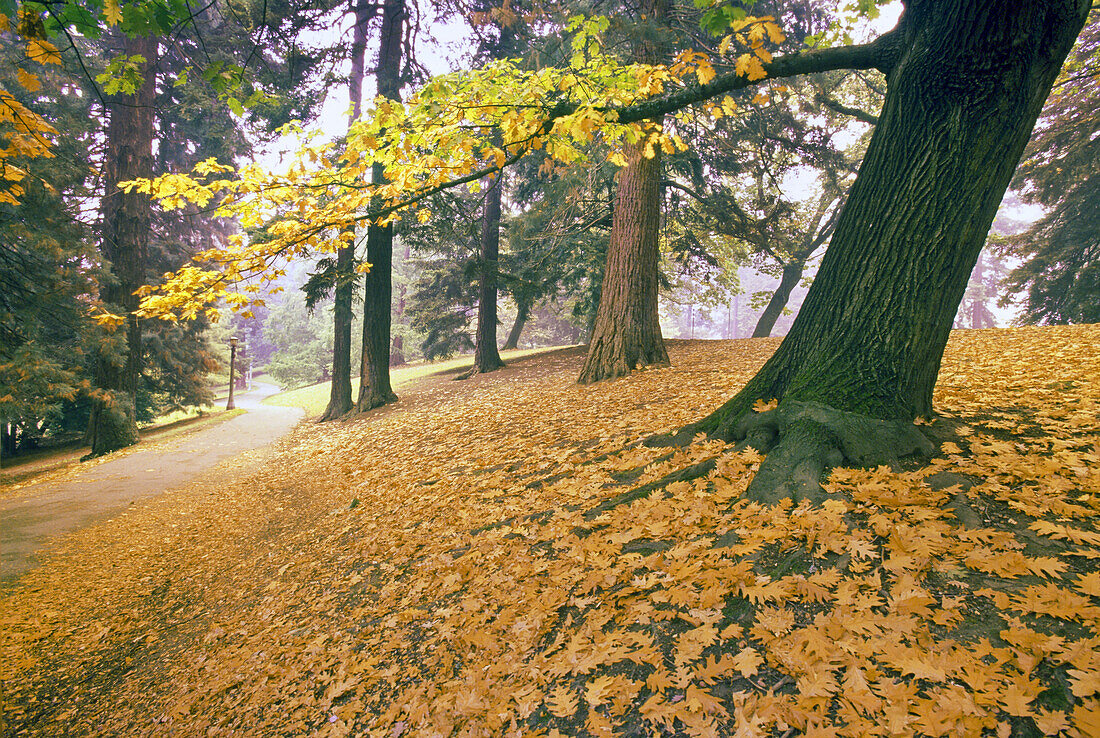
(232, 360)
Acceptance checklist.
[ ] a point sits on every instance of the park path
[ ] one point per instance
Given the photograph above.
(43, 512)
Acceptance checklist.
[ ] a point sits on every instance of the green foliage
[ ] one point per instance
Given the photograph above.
(1060, 276)
(122, 75)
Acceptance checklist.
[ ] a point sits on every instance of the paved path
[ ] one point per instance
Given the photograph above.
(44, 511)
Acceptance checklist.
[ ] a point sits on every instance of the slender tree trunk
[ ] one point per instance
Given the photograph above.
(124, 242)
(486, 356)
(627, 332)
(792, 272)
(397, 350)
(980, 316)
(374, 388)
(523, 311)
(340, 401)
(7, 439)
(966, 85)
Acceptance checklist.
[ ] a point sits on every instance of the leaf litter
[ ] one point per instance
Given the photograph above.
(452, 566)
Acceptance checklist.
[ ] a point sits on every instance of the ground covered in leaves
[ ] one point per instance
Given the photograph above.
(452, 566)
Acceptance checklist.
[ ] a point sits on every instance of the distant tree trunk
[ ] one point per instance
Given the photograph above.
(792, 272)
(124, 242)
(397, 352)
(340, 401)
(7, 439)
(967, 81)
(374, 387)
(627, 332)
(980, 316)
(523, 311)
(486, 356)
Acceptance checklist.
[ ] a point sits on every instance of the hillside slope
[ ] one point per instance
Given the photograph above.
(452, 565)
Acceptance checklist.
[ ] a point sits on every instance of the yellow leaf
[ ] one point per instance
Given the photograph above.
(747, 662)
(29, 81)
(775, 34)
(112, 12)
(562, 702)
(43, 52)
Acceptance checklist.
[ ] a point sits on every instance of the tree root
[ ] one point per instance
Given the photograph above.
(686, 474)
(803, 439)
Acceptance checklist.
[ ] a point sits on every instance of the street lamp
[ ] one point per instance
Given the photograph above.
(232, 360)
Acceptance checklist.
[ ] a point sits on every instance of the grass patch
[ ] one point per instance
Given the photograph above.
(314, 398)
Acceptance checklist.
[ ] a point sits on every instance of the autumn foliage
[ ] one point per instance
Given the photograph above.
(439, 577)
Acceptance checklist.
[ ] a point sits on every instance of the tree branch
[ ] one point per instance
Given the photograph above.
(856, 113)
(875, 55)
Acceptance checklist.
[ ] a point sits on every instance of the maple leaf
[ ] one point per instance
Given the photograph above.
(692, 643)
(747, 661)
(28, 81)
(562, 702)
(1016, 701)
(1084, 683)
(700, 700)
(1089, 583)
(597, 691)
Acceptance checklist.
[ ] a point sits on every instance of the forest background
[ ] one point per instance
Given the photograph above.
(745, 210)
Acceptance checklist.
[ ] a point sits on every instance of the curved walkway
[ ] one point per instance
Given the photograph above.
(42, 512)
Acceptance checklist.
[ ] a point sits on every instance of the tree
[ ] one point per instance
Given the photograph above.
(125, 218)
(966, 82)
(981, 291)
(861, 359)
(344, 275)
(374, 386)
(486, 356)
(48, 264)
(1061, 271)
(627, 331)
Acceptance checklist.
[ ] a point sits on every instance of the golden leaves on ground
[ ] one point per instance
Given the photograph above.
(470, 591)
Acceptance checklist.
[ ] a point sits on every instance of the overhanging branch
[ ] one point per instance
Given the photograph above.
(875, 55)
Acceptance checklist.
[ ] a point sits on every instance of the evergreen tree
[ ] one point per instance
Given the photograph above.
(1060, 276)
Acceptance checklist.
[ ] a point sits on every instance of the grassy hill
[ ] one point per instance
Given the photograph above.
(465, 562)
(314, 398)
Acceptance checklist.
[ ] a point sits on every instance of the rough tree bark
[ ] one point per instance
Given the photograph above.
(340, 401)
(374, 387)
(486, 356)
(627, 331)
(523, 312)
(967, 80)
(124, 242)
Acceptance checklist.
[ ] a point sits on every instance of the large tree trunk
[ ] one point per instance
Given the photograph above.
(523, 311)
(374, 387)
(340, 401)
(627, 332)
(792, 272)
(124, 242)
(965, 88)
(486, 356)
